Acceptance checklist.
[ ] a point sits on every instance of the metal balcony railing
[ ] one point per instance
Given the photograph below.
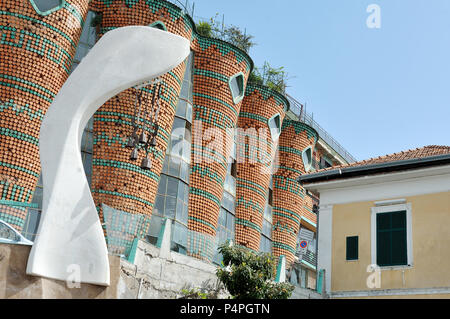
(310, 257)
(186, 5)
(304, 117)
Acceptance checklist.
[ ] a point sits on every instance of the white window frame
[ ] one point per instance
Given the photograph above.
(307, 166)
(237, 98)
(275, 132)
(389, 207)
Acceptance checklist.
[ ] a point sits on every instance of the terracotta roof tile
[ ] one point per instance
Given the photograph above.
(423, 152)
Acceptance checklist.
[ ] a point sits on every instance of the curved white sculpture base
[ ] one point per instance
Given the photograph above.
(70, 244)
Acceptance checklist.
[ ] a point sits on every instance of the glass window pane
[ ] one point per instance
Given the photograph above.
(186, 194)
(181, 190)
(37, 196)
(181, 108)
(172, 186)
(170, 207)
(183, 216)
(174, 168)
(230, 222)
(180, 208)
(162, 184)
(87, 163)
(89, 142)
(45, 5)
(166, 165)
(184, 172)
(154, 229)
(159, 205)
(189, 112)
(237, 86)
(223, 217)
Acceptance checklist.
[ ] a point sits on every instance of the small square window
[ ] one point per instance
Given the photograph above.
(352, 248)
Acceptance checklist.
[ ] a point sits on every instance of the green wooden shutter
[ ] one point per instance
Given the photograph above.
(352, 248)
(391, 239)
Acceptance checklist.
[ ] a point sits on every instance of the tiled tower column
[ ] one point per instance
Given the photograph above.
(288, 195)
(117, 181)
(215, 111)
(36, 53)
(256, 146)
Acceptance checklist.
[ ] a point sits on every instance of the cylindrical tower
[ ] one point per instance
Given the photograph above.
(259, 126)
(296, 145)
(220, 74)
(118, 181)
(37, 45)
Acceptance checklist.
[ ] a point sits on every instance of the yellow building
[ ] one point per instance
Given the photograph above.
(384, 225)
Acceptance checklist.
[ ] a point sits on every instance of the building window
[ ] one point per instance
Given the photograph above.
(352, 248)
(275, 126)
(45, 7)
(236, 84)
(266, 232)
(173, 189)
(391, 239)
(391, 235)
(307, 158)
(158, 25)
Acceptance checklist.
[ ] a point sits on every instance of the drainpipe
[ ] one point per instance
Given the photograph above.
(316, 210)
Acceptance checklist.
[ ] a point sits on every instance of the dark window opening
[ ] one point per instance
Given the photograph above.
(352, 248)
(391, 239)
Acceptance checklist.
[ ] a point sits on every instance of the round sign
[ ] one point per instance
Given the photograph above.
(303, 244)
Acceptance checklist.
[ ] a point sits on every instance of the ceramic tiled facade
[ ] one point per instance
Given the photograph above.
(256, 148)
(39, 49)
(118, 181)
(36, 50)
(288, 195)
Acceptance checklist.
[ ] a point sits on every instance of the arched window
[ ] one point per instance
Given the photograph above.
(45, 7)
(236, 85)
(275, 126)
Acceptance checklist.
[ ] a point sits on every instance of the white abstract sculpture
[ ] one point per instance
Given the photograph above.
(70, 237)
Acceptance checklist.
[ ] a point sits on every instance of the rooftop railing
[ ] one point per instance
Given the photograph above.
(187, 6)
(298, 109)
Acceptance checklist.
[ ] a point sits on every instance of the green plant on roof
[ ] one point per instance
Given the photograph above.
(274, 78)
(250, 275)
(231, 34)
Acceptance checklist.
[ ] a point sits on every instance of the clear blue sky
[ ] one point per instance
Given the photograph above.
(377, 91)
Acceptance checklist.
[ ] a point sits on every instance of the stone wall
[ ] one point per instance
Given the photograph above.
(16, 284)
(155, 274)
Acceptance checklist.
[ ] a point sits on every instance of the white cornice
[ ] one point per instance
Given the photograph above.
(383, 186)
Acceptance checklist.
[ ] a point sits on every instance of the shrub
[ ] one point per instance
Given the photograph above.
(249, 275)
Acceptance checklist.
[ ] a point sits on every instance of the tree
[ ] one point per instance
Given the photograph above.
(232, 34)
(204, 28)
(274, 78)
(235, 36)
(249, 275)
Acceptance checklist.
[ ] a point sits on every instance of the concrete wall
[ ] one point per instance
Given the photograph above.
(155, 274)
(302, 293)
(16, 284)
